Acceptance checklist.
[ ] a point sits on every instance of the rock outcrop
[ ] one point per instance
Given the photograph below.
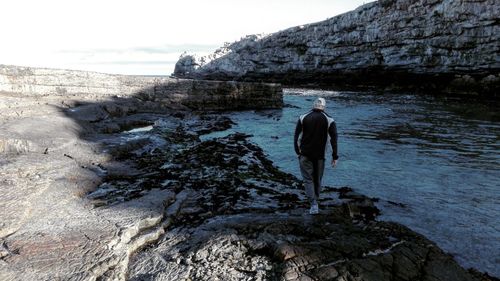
(122, 188)
(432, 45)
(38, 83)
(161, 204)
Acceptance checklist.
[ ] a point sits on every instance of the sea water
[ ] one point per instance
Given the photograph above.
(438, 157)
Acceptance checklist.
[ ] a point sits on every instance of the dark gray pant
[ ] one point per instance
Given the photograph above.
(312, 173)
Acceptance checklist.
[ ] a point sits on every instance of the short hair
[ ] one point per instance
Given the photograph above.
(319, 103)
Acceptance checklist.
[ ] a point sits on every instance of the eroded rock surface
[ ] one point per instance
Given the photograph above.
(23, 88)
(124, 189)
(243, 219)
(61, 133)
(294, 247)
(431, 45)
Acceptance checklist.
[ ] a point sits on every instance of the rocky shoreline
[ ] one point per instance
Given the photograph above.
(125, 191)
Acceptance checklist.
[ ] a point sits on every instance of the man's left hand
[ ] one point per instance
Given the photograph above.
(334, 163)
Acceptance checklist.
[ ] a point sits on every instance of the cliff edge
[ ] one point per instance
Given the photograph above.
(431, 45)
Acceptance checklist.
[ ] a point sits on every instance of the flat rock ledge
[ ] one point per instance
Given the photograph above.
(66, 85)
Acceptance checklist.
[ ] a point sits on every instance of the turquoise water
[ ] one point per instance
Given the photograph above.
(440, 158)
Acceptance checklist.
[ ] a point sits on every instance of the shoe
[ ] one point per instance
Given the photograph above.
(314, 209)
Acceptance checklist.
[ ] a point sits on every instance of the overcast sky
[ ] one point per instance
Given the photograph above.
(141, 37)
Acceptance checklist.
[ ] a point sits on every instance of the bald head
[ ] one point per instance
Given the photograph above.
(319, 103)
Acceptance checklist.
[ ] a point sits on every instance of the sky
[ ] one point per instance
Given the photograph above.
(142, 37)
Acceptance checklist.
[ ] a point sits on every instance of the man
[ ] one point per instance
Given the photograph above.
(310, 138)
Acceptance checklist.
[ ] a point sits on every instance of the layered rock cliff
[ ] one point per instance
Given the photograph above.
(41, 83)
(433, 45)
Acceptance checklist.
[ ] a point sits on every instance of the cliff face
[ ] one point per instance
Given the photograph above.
(442, 45)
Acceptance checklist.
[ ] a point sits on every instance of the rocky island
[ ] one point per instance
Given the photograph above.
(114, 177)
(431, 46)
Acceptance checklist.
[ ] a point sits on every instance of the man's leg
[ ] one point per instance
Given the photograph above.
(306, 169)
(318, 173)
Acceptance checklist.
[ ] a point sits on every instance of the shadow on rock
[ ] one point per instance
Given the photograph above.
(165, 205)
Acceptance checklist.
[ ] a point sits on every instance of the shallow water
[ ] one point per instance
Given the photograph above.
(438, 157)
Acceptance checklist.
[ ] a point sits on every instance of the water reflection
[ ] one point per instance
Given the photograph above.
(439, 157)
(458, 133)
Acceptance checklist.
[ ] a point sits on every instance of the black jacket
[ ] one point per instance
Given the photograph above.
(312, 133)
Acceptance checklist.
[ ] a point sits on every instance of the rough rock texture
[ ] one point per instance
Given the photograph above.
(294, 247)
(156, 202)
(434, 45)
(26, 93)
(121, 189)
(37, 83)
(56, 127)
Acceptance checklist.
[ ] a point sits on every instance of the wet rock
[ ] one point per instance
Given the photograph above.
(397, 204)
(351, 195)
(364, 209)
(283, 247)
(164, 205)
(110, 128)
(179, 115)
(221, 123)
(356, 205)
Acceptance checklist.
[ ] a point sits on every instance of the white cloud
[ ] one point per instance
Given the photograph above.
(97, 35)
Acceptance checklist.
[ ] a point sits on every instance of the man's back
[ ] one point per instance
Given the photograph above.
(312, 133)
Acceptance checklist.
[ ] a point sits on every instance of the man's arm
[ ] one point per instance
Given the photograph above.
(298, 131)
(332, 131)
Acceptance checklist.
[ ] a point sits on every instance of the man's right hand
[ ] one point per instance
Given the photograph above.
(334, 163)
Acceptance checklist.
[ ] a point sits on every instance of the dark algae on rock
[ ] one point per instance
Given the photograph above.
(166, 201)
(81, 157)
(238, 217)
